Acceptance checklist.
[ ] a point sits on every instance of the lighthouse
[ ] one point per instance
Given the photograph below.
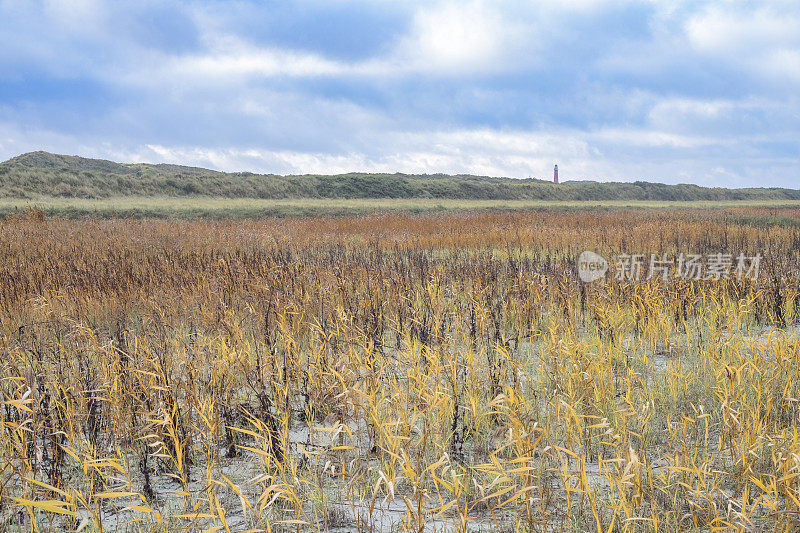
(555, 174)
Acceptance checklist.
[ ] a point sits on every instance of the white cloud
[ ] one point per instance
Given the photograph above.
(459, 37)
(642, 137)
(444, 39)
(75, 14)
(234, 58)
(729, 29)
(763, 40)
(722, 117)
(783, 64)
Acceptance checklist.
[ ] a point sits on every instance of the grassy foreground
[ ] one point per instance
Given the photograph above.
(234, 208)
(442, 372)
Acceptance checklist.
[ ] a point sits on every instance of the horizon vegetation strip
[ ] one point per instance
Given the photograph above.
(172, 207)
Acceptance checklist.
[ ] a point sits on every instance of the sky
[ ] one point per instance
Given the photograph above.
(704, 92)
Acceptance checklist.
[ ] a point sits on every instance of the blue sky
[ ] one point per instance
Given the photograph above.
(670, 91)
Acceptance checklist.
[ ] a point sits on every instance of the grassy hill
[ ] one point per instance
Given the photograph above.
(44, 175)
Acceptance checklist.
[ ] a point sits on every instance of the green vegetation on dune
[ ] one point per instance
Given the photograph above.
(41, 175)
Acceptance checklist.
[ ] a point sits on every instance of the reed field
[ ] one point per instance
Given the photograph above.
(398, 372)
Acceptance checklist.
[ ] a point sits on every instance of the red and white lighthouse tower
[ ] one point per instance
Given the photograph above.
(555, 174)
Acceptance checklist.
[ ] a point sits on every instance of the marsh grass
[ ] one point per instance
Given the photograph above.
(394, 373)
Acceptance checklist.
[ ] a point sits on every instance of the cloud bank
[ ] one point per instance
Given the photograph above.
(702, 92)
